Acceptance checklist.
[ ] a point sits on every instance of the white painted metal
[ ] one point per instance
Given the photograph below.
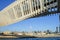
(10, 14)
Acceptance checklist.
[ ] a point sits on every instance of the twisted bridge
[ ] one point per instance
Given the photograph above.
(23, 9)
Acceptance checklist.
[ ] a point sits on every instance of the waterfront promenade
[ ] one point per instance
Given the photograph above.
(32, 36)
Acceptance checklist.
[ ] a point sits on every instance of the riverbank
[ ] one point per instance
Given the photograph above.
(48, 35)
(30, 36)
(8, 37)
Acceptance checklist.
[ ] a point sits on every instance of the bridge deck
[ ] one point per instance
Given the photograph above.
(23, 9)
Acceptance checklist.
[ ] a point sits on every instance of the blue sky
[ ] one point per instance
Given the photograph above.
(32, 24)
(4, 3)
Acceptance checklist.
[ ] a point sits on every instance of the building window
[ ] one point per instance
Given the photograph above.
(18, 10)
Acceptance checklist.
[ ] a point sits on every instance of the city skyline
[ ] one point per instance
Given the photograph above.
(32, 24)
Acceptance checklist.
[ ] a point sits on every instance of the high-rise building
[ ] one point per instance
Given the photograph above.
(59, 23)
(57, 30)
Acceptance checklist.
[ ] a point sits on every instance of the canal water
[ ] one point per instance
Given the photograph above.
(56, 38)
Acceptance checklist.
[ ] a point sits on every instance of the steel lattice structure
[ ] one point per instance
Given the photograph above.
(23, 9)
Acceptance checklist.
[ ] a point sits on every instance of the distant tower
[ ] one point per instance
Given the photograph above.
(59, 29)
(59, 22)
(56, 29)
